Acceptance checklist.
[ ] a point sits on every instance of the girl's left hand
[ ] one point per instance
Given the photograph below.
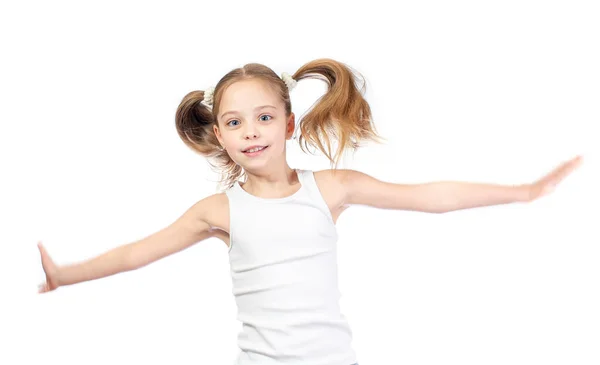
(548, 183)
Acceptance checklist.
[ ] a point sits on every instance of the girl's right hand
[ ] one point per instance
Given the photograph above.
(51, 271)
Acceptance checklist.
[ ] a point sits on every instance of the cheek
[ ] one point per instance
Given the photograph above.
(277, 135)
(228, 137)
(275, 140)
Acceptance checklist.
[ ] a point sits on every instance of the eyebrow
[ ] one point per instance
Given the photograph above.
(255, 109)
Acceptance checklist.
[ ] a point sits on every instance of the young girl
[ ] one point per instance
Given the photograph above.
(279, 223)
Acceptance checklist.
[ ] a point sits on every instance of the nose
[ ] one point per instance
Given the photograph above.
(251, 131)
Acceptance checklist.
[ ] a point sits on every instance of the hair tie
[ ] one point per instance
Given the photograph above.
(208, 96)
(289, 80)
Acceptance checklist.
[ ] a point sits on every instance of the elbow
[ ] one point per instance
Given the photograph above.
(439, 207)
(444, 208)
(131, 261)
(438, 210)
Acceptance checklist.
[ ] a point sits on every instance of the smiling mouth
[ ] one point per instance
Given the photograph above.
(255, 149)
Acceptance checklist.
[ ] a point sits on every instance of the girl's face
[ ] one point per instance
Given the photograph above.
(251, 124)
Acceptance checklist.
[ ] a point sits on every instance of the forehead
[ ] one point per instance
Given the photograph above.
(245, 95)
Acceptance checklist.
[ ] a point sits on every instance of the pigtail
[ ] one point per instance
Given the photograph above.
(194, 122)
(341, 115)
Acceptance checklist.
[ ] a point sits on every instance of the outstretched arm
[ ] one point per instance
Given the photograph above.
(191, 227)
(445, 196)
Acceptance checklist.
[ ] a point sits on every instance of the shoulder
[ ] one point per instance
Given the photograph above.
(333, 184)
(337, 178)
(332, 176)
(345, 183)
(214, 210)
(209, 203)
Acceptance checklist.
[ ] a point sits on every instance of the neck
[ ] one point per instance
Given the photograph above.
(274, 182)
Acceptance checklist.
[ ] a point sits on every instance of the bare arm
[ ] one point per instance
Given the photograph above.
(444, 196)
(432, 197)
(188, 229)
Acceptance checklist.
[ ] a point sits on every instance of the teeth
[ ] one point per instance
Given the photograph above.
(255, 149)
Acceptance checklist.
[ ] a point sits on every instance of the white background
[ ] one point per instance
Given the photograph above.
(475, 91)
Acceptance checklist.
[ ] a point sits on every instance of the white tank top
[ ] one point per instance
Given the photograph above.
(283, 262)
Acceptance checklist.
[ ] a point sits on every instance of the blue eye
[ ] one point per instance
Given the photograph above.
(262, 116)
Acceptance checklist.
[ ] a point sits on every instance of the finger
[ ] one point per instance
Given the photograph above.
(560, 172)
(44, 255)
(577, 161)
(42, 249)
(569, 167)
(565, 168)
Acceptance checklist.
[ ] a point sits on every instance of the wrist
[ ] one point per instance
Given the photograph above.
(60, 276)
(523, 193)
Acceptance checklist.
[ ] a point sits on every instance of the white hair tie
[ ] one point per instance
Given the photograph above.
(289, 80)
(208, 96)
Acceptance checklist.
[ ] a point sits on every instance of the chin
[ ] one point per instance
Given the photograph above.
(255, 164)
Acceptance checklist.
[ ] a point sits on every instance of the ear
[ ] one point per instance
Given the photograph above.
(290, 126)
(218, 134)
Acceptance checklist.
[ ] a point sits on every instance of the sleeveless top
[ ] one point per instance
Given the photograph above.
(283, 263)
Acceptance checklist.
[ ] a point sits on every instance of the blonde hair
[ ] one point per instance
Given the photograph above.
(341, 114)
